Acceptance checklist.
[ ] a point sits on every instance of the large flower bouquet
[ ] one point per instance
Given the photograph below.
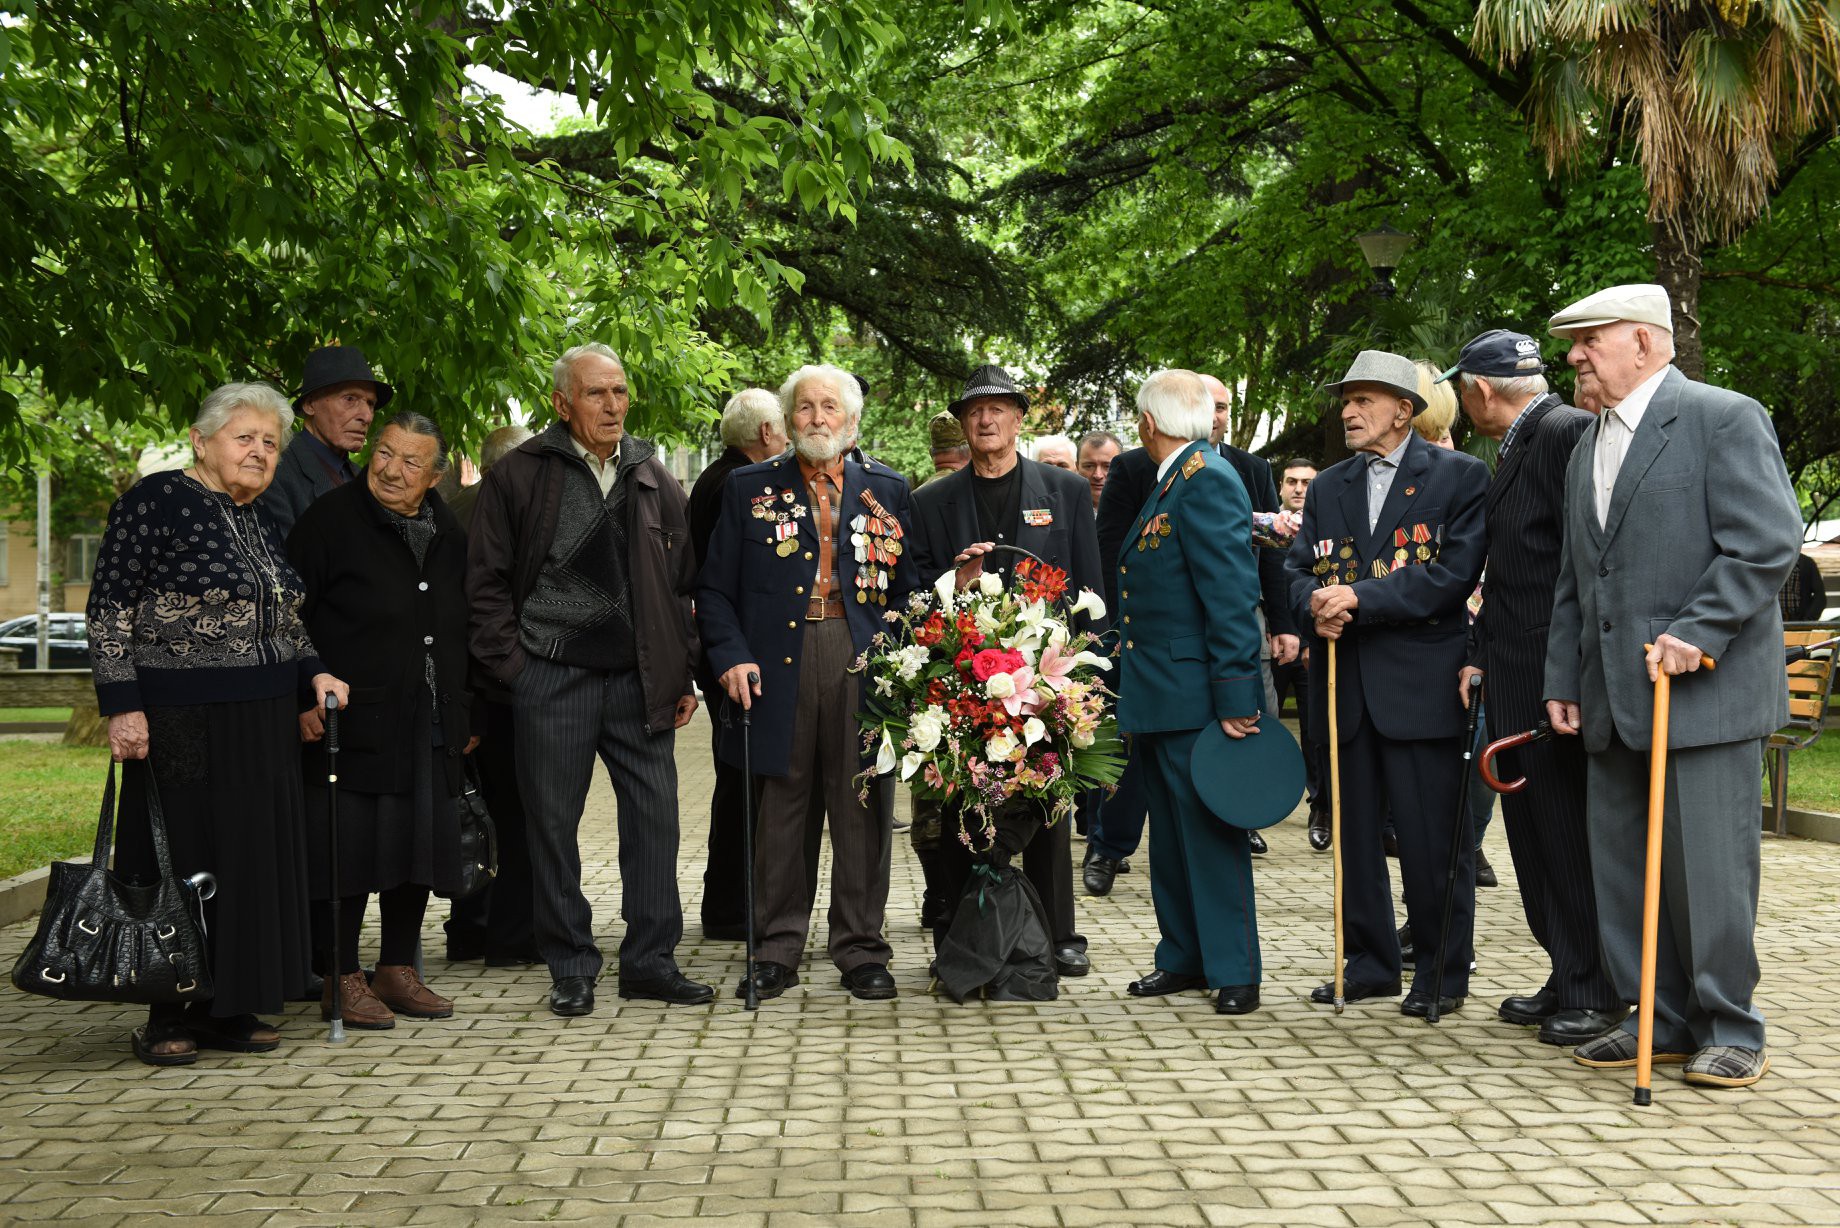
(986, 697)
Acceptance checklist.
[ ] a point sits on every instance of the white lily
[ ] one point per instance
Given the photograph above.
(945, 586)
(1090, 604)
(910, 763)
(1093, 659)
(1033, 731)
(884, 756)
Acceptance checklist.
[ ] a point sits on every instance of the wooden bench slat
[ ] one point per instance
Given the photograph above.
(1806, 709)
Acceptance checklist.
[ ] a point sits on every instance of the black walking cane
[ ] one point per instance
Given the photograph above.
(1457, 838)
(336, 1033)
(750, 995)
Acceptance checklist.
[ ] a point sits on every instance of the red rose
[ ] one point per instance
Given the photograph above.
(995, 661)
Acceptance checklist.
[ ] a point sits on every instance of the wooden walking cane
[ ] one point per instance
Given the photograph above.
(1335, 827)
(1651, 880)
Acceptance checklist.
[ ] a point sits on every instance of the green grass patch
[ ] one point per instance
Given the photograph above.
(49, 802)
(20, 716)
(1814, 775)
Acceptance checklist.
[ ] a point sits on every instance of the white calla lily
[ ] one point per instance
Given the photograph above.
(945, 586)
(884, 755)
(1091, 658)
(1090, 604)
(910, 763)
(1033, 731)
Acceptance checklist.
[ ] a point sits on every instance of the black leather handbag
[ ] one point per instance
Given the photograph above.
(101, 939)
(478, 840)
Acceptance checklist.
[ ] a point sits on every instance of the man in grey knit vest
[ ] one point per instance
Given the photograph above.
(580, 575)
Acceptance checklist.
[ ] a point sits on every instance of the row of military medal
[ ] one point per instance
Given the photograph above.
(876, 536)
(785, 520)
(1155, 530)
(1419, 545)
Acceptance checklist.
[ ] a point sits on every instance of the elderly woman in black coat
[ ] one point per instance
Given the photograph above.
(384, 564)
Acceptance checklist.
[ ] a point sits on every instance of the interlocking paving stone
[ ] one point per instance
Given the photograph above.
(1095, 1109)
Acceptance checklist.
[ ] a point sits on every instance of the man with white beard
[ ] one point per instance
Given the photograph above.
(809, 553)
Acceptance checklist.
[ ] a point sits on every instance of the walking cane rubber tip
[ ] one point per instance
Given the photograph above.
(1644, 1097)
(1340, 1005)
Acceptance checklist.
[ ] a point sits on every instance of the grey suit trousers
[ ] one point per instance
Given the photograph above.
(1705, 956)
(823, 765)
(565, 717)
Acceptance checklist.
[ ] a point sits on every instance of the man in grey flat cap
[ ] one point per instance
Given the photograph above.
(1390, 549)
(1680, 527)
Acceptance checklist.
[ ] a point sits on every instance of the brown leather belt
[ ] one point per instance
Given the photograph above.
(817, 609)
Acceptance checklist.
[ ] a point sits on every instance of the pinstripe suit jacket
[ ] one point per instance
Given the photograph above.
(1525, 519)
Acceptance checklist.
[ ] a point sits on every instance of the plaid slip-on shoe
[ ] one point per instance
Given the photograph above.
(1616, 1050)
(1727, 1066)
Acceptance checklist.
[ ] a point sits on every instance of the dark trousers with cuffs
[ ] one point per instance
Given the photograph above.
(825, 760)
(566, 717)
(1420, 778)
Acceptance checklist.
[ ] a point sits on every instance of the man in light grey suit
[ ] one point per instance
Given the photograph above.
(1680, 527)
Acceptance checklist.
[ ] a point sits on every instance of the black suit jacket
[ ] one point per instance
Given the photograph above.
(945, 522)
(1525, 514)
(1255, 472)
(705, 511)
(1398, 660)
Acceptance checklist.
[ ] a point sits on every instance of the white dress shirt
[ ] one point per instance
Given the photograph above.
(1614, 432)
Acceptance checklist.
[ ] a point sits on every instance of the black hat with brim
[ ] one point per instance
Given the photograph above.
(987, 381)
(339, 364)
(1249, 782)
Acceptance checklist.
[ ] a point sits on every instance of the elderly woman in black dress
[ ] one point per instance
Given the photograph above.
(384, 563)
(200, 657)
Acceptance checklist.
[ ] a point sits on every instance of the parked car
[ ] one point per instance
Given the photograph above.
(69, 640)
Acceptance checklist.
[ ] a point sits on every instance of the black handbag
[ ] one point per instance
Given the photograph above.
(478, 840)
(101, 939)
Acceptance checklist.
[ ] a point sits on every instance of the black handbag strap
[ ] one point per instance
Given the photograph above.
(156, 819)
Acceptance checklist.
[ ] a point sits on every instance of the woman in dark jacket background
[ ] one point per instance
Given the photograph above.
(384, 563)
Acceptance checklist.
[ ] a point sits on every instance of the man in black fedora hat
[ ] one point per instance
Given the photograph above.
(1003, 497)
(339, 395)
(1390, 550)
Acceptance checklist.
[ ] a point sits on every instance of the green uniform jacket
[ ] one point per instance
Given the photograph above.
(1188, 585)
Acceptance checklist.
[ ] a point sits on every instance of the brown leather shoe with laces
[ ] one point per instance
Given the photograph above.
(400, 989)
(358, 1006)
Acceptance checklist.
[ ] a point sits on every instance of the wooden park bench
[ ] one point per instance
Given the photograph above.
(1811, 682)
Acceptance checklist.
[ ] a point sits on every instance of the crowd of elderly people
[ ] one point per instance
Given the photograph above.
(574, 605)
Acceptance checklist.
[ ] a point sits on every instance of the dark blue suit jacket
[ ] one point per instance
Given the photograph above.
(1398, 660)
(751, 601)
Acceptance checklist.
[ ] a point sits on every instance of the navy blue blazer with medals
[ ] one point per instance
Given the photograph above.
(1188, 638)
(1398, 661)
(751, 600)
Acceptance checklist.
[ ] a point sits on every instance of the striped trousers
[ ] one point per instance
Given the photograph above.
(565, 716)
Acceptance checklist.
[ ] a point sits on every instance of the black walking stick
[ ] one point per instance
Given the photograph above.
(1457, 838)
(336, 1033)
(750, 995)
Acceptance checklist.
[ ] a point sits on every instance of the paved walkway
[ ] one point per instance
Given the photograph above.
(1095, 1109)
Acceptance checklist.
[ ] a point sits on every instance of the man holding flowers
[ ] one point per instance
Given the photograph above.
(1189, 640)
(809, 561)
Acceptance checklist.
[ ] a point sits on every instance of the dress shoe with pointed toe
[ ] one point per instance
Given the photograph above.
(1071, 961)
(1531, 1010)
(571, 996)
(1236, 1000)
(1259, 847)
(673, 987)
(870, 982)
(1159, 982)
(1485, 873)
(1354, 991)
(1319, 830)
(770, 980)
(1418, 1005)
(1098, 875)
(1574, 1025)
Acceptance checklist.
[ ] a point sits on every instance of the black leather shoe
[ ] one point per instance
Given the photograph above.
(1407, 951)
(1124, 865)
(1098, 875)
(770, 980)
(1574, 1025)
(673, 987)
(1418, 1005)
(1531, 1010)
(1237, 1000)
(1259, 847)
(725, 933)
(1319, 830)
(1353, 991)
(870, 982)
(1159, 983)
(572, 995)
(1071, 961)
(1485, 873)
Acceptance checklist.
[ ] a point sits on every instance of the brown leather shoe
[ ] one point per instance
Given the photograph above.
(400, 989)
(358, 1006)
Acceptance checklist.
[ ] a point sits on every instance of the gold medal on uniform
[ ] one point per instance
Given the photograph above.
(786, 547)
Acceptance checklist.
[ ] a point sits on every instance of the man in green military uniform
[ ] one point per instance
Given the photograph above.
(950, 451)
(1188, 589)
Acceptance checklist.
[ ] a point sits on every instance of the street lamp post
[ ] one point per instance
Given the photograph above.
(1383, 249)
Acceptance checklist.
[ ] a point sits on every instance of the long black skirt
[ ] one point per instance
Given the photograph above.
(229, 782)
(389, 839)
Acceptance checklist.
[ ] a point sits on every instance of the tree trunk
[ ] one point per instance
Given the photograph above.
(1678, 267)
(86, 727)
